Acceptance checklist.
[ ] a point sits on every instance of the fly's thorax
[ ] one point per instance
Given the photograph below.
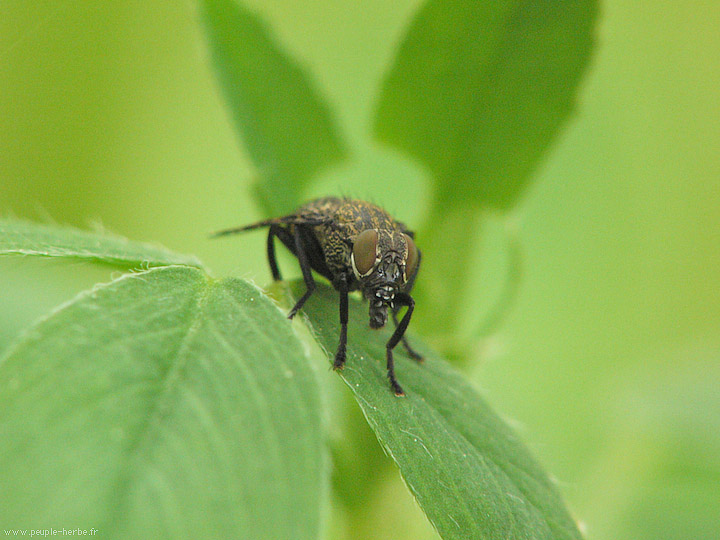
(335, 248)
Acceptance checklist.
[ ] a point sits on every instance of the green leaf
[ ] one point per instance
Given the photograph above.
(479, 90)
(282, 119)
(470, 473)
(477, 93)
(24, 238)
(163, 405)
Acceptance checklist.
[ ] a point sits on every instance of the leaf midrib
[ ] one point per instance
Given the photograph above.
(145, 433)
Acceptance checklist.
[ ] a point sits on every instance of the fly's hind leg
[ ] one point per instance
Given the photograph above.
(341, 285)
(306, 271)
(272, 262)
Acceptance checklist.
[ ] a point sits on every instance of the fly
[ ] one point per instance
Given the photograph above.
(357, 246)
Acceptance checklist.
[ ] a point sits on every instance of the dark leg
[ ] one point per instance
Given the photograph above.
(401, 299)
(271, 253)
(306, 272)
(412, 352)
(342, 287)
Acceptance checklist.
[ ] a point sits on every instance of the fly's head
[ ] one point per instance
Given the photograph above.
(383, 261)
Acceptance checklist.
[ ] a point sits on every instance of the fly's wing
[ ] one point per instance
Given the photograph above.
(292, 219)
(313, 250)
(305, 219)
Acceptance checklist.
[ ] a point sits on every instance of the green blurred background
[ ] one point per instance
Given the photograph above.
(608, 360)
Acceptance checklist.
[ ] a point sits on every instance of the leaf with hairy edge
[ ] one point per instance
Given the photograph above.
(470, 473)
(283, 121)
(163, 405)
(479, 90)
(25, 238)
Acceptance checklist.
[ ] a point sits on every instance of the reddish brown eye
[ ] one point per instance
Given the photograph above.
(412, 258)
(364, 251)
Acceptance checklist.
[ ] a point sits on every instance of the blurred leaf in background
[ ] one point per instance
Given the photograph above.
(285, 125)
(477, 92)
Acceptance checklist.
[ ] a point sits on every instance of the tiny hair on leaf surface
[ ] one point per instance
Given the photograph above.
(470, 473)
(19, 237)
(164, 404)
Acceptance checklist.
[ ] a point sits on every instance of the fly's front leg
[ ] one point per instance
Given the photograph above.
(342, 286)
(306, 272)
(401, 299)
(412, 352)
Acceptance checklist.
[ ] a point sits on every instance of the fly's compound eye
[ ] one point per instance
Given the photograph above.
(364, 253)
(412, 258)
